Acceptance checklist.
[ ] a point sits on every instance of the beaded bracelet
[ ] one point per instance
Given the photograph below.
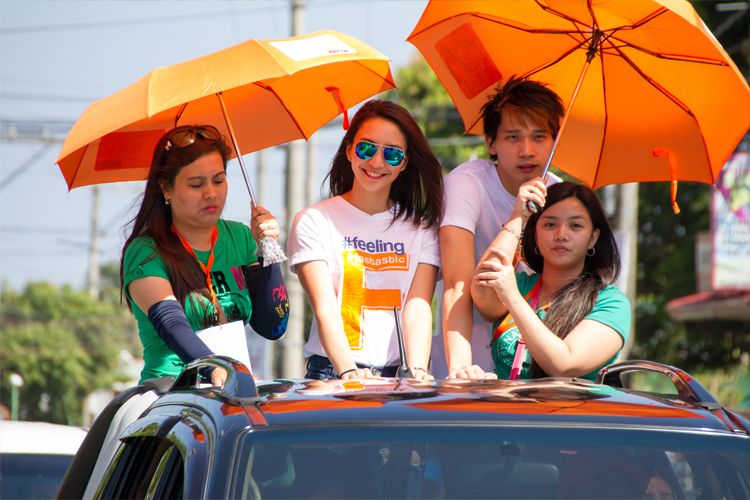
(347, 371)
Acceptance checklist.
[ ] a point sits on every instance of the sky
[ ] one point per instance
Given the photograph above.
(56, 58)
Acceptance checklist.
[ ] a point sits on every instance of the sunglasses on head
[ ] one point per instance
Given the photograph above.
(366, 150)
(185, 137)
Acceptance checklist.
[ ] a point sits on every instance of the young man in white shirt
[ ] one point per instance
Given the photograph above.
(520, 124)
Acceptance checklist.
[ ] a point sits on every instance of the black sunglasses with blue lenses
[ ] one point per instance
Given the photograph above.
(392, 156)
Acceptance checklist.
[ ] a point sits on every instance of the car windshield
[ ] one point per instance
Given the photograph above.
(446, 462)
(31, 476)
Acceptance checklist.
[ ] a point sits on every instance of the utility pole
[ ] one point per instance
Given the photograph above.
(293, 340)
(312, 167)
(627, 225)
(92, 280)
(261, 181)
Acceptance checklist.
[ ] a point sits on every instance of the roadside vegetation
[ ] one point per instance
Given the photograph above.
(64, 344)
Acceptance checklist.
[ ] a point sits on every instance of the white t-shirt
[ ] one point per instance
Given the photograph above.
(372, 264)
(475, 200)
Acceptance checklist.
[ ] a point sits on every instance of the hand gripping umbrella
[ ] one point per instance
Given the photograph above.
(276, 90)
(659, 98)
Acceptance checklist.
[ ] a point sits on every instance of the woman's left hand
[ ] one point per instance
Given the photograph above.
(420, 374)
(498, 275)
(263, 224)
(218, 376)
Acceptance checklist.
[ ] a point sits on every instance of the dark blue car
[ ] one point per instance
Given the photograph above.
(403, 439)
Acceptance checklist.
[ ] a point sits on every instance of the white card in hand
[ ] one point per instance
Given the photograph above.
(228, 340)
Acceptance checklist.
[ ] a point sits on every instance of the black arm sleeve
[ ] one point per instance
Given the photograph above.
(270, 303)
(170, 322)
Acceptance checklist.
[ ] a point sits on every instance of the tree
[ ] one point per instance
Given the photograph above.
(731, 28)
(666, 271)
(64, 344)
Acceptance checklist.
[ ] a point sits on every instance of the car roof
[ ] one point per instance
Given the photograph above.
(39, 438)
(526, 402)
(547, 402)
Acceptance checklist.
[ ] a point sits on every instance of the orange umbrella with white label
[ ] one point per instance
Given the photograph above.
(276, 91)
(650, 93)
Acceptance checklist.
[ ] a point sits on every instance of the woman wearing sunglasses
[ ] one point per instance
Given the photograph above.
(371, 248)
(183, 268)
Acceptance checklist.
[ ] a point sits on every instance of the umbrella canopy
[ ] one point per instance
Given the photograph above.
(660, 101)
(275, 91)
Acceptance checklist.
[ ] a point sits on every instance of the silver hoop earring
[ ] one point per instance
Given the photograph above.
(592, 250)
(536, 250)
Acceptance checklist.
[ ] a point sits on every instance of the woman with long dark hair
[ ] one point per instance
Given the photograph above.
(570, 317)
(371, 248)
(183, 268)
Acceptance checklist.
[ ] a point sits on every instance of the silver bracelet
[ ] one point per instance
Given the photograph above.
(505, 228)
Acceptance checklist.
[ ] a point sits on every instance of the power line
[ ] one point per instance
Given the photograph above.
(28, 163)
(41, 230)
(152, 20)
(129, 22)
(47, 97)
(41, 253)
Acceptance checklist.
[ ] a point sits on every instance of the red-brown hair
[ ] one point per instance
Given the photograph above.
(154, 218)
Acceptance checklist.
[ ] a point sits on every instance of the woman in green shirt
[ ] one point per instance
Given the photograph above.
(184, 269)
(570, 317)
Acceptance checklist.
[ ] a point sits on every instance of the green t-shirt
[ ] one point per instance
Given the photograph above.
(234, 249)
(612, 308)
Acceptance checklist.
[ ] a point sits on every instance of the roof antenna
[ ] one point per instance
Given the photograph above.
(403, 370)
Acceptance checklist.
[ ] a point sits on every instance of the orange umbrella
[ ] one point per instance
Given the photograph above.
(659, 98)
(275, 90)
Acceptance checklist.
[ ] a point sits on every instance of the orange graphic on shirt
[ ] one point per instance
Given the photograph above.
(356, 296)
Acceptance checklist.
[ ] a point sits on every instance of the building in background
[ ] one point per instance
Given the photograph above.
(723, 254)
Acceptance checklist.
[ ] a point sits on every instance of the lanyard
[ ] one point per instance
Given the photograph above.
(206, 269)
(508, 321)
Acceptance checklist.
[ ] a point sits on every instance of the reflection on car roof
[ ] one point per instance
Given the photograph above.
(550, 401)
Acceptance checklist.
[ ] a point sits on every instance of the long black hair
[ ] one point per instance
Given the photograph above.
(577, 298)
(418, 190)
(154, 218)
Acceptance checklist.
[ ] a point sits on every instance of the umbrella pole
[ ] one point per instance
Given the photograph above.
(565, 119)
(236, 148)
(267, 247)
(533, 206)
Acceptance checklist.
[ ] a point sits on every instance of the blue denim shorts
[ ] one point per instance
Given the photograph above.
(320, 368)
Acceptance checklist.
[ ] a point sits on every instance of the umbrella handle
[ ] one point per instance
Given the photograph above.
(236, 149)
(267, 247)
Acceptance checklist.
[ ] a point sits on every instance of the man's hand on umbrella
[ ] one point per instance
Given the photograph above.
(534, 190)
(264, 225)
